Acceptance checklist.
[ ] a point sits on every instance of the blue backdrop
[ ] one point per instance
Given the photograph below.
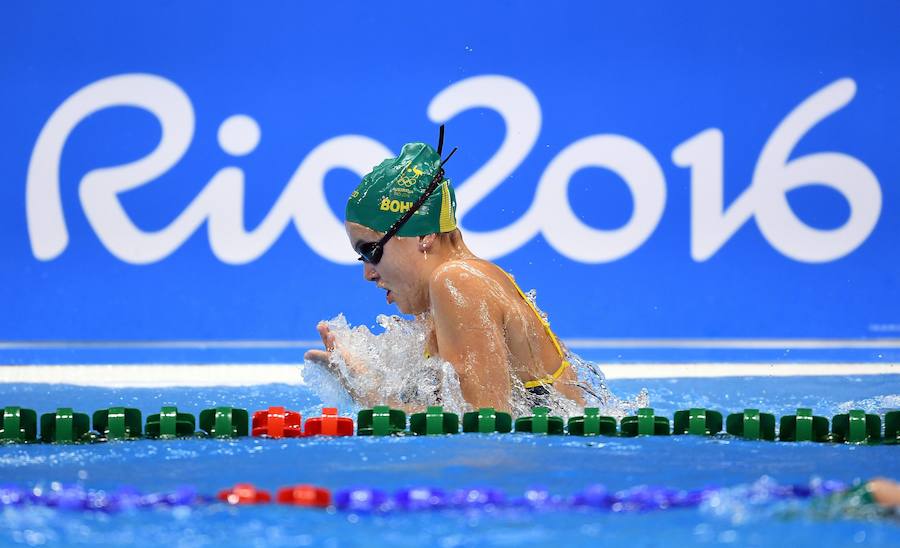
(704, 169)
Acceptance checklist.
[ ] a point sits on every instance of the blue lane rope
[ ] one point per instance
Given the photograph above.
(371, 500)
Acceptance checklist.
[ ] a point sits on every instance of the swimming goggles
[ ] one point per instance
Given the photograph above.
(371, 252)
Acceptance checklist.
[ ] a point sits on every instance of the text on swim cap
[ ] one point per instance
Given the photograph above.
(394, 205)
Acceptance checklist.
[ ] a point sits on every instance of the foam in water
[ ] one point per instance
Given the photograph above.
(393, 366)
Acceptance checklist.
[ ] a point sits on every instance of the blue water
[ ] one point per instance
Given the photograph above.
(512, 462)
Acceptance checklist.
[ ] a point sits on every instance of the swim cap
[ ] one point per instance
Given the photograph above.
(391, 188)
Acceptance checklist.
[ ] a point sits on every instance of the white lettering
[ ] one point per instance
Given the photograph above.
(46, 224)
(521, 114)
(774, 176)
(640, 171)
(221, 202)
(550, 212)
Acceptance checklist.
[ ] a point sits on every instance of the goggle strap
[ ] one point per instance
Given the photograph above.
(452, 152)
(438, 177)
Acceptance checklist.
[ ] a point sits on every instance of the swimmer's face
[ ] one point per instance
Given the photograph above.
(399, 272)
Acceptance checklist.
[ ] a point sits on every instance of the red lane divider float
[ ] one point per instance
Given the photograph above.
(295, 495)
(329, 424)
(245, 493)
(276, 422)
(305, 495)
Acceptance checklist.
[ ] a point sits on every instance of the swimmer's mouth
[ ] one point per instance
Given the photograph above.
(388, 296)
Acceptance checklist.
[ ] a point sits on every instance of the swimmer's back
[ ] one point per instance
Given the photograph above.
(532, 352)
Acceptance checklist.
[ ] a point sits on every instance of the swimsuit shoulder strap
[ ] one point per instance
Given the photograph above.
(546, 379)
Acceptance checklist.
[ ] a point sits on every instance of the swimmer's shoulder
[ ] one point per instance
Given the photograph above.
(467, 275)
(466, 288)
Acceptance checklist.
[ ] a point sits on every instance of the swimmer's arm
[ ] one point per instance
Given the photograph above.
(885, 492)
(468, 325)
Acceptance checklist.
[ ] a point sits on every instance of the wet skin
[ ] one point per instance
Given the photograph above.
(886, 492)
(481, 325)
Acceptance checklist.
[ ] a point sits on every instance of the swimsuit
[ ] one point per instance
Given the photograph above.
(539, 386)
(538, 393)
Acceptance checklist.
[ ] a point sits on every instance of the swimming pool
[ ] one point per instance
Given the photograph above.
(512, 463)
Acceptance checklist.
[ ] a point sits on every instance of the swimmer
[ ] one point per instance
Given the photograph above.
(884, 492)
(401, 220)
(878, 497)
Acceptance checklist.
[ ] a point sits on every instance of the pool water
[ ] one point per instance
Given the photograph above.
(511, 462)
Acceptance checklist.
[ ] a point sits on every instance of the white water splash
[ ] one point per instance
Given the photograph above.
(877, 404)
(395, 368)
(395, 364)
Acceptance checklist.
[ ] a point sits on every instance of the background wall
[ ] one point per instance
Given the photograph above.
(136, 202)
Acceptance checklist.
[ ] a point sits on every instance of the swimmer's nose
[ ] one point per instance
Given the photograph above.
(369, 272)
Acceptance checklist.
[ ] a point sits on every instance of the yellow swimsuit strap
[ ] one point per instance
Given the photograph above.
(546, 379)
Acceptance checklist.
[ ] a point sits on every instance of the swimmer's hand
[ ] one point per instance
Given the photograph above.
(355, 365)
(322, 357)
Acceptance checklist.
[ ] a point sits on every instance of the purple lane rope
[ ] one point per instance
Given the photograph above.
(636, 499)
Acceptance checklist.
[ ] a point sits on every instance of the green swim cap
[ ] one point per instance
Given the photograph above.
(391, 188)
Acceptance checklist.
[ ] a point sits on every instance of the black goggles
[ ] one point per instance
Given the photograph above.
(371, 252)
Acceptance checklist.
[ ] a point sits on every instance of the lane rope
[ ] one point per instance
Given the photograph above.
(637, 499)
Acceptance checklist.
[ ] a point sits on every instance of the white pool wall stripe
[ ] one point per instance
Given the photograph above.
(713, 370)
(150, 345)
(153, 376)
(573, 343)
(160, 376)
(776, 344)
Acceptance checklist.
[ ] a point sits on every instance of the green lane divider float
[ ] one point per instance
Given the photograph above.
(646, 423)
(487, 420)
(65, 426)
(751, 425)
(856, 426)
(541, 422)
(697, 421)
(380, 421)
(118, 423)
(169, 424)
(892, 427)
(225, 422)
(592, 423)
(434, 421)
(18, 425)
(804, 426)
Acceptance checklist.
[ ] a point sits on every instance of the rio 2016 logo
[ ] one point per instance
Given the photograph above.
(303, 201)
